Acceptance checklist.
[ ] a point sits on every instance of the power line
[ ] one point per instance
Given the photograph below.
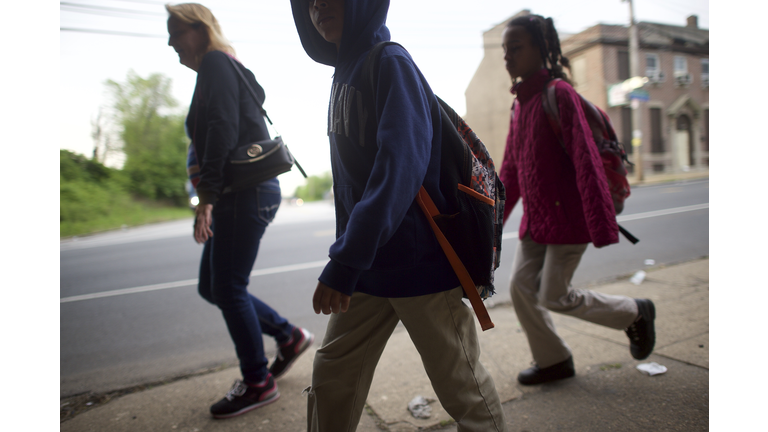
(110, 32)
(110, 9)
(161, 3)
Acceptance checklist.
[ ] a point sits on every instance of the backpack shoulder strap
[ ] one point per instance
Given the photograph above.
(370, 73)
(430, 211)
(549, 102)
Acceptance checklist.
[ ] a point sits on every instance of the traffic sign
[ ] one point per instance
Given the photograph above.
(640, 94)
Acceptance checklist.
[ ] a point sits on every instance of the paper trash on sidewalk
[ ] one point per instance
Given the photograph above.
(637, 278)
(419, 407)
(650, 262)
(652, 368)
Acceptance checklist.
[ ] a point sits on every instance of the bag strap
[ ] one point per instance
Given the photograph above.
(549, 103)
(430, 211)
(369, 76)
(250, 89)
(263, 111)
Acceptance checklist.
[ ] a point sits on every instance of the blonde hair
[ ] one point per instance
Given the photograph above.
(195, 15)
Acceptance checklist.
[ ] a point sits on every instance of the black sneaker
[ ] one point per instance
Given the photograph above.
(642, 334)
(536, 375)
(244, 397)
(301, 339)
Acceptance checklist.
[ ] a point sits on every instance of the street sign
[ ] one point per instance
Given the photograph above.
(617, 95)
(639, 94)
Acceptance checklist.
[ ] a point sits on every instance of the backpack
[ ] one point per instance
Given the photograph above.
(608, 146)
(469, 230)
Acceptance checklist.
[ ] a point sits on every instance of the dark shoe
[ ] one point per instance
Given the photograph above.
(642, 334)
(535, 375)
(244, 397)
(301, 339)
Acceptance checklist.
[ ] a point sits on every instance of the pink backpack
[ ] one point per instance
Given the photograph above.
(611, 151)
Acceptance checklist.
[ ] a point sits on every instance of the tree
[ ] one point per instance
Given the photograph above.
(105, 144)
(153, 137)
(317, 187)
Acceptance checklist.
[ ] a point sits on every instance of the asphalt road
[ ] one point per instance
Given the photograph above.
(130, 313)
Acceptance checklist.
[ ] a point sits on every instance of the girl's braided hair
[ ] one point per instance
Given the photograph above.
(544, 36)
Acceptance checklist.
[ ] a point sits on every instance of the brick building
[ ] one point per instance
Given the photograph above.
(675, 118)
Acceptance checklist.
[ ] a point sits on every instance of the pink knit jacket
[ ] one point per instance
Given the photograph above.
(565, 195)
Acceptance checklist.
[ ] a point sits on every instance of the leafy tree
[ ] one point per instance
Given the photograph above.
(106, 143)
(152, 132)
(317, 188)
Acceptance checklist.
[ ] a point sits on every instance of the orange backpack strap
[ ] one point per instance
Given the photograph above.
(430, 211)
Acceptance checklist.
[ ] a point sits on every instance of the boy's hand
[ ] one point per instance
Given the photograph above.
(203, 221)
(327, 300)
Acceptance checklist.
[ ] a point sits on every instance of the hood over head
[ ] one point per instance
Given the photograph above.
(364, 26)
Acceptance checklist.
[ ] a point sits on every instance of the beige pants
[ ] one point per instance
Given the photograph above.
(541, 282)
(443, 330)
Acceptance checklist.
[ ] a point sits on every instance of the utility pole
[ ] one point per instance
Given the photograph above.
(634, 71)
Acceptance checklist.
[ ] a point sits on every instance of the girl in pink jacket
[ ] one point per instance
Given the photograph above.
(566, 206)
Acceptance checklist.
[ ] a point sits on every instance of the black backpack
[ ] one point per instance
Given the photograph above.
(469, 229)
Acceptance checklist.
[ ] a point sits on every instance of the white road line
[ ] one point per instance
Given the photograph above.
(658, 213)
(190, 282)
(318, 264)
(638, 216)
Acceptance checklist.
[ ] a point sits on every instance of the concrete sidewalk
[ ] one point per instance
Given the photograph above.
(608, 392)
(656, 178)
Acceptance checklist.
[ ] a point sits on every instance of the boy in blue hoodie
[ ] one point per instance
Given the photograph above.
(386, 265)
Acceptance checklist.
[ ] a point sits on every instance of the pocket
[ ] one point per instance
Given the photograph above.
(268, 202)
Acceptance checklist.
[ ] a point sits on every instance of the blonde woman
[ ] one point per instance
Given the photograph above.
(224, 115)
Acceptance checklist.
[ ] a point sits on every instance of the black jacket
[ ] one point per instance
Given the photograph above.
(223, 115)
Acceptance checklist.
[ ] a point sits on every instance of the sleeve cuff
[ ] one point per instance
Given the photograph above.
(340, 277)
(206, 197)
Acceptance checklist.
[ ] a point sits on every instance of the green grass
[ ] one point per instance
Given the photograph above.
(129, 214)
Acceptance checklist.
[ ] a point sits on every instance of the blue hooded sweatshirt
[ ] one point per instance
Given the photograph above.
(384, 244)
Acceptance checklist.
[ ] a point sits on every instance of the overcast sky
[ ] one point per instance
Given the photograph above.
(444, 38)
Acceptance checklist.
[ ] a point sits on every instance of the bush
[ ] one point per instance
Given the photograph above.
(95, 198)
(317, 188)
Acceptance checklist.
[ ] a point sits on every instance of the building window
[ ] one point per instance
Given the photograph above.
(682, 77)
(653, 68)
(657, 144)
(705, 72)
(626, 129)
(681, 65)
(623, 65)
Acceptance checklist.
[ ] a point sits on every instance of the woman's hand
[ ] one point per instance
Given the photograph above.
(203, 221)
(327, 300)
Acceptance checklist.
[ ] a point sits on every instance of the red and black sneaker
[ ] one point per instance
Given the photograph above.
(301, 339)
(245, 397)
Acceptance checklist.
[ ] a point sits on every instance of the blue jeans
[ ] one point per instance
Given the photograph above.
(239, 221)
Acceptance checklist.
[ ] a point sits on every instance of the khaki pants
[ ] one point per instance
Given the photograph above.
(541, 280)
(443, 330)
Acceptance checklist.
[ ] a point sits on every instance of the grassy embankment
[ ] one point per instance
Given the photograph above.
(94, 198)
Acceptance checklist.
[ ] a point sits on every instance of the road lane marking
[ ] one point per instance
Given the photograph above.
(637, 216)
(189, 282)
(319, 264)
(665, 212)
